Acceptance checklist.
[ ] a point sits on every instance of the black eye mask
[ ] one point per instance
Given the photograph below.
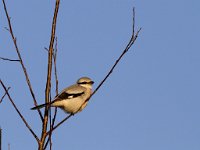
(91, 82)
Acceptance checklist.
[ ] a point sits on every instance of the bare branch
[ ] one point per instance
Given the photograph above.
(56, 76)
(131, 42)
(49, 72)
(56, 79)
(55, 68)
(4, 95)
(9, 59)
(19, 113)
(20, 58)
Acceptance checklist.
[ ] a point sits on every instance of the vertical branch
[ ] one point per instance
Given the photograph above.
(20, 59)
(49, 71)
(55, 68)
(56, 79)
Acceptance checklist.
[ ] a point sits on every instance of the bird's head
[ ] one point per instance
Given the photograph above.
(85, 82)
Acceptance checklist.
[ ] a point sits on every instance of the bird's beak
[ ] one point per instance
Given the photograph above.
(92, 82)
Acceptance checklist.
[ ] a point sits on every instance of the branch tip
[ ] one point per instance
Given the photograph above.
(20, 58)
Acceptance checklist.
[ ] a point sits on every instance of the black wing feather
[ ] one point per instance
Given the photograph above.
(65, 95)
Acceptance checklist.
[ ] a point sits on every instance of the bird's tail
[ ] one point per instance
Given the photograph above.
(39, 106)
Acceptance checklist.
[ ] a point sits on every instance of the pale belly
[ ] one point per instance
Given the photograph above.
(71, 105)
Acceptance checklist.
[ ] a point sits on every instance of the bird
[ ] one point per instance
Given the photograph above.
(72, 99)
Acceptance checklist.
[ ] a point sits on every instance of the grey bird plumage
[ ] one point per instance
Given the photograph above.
(73, 98)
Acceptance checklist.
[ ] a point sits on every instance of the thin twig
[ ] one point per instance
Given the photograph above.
(19, 113)
(132, 40)
(56, 77)
(20, 59)
(130, 43)
(7, 59)
(49, 72)
(55, 68)
(4, 95)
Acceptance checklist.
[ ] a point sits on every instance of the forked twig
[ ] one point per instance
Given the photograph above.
(19, 113)
(20, 58)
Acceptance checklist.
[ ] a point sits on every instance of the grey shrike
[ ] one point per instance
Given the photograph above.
(73, 98)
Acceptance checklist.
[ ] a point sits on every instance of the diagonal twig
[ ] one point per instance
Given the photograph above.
(128, 46)
(19, 113)
(56, 126)
(20, 58)
(4, 95)
(130, 43)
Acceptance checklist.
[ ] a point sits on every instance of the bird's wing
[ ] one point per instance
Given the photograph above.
(71, 92)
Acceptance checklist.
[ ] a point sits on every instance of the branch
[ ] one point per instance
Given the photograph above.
(19, 113)
(128, 46)
(4, 95)
(55, 68)
(20, 58)
(56, 79)
(130, 43)
(49, 71)
(55, 50)
(9, 59)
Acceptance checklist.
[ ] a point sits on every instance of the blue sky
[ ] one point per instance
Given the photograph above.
(151, 101)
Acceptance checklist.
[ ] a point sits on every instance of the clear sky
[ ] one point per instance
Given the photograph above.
(150, 102)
